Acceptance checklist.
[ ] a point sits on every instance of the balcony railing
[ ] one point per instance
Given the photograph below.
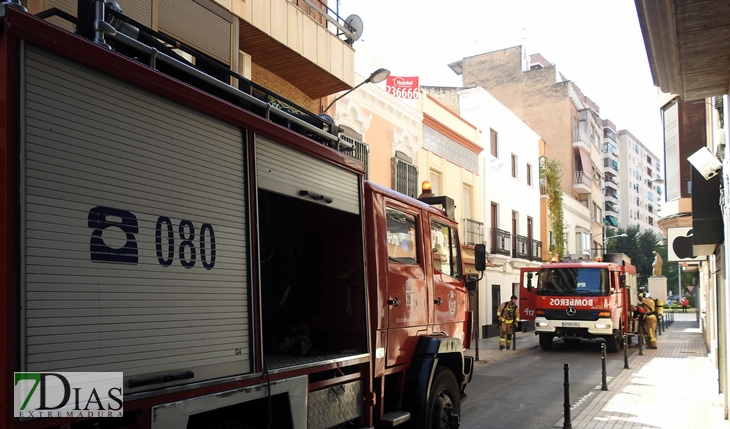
(580, 137)
(581, 177)
(499, 241)
(360, 152)
(321, 12)
(473, 232)
(521, 249)
(536, 250)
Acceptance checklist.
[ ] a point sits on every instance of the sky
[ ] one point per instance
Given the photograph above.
(595, 43)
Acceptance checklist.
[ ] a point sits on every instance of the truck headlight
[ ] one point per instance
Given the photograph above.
(603, 326)
(542, 324)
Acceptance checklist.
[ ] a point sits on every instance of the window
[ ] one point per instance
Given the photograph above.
(583, 242)
(446, 256)
(493, 143)
(466, 201)
(404, 177)
(401, 236)
(529, 175)
(361, 151)
(435, 178)
(514, 165)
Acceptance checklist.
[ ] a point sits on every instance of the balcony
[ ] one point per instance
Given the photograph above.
(521, 248)
(581, 139)
(610, 209)
(611, 198)
(299, 41)
(582, 182)
(472, 232)
(610, 184)
(536, 250)
(499, 241)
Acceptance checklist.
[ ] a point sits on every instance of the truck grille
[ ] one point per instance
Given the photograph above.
(579, 315)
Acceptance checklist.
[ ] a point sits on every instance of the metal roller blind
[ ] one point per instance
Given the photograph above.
(286, 171)
(209, 29)
(133, 227)
(139, 10)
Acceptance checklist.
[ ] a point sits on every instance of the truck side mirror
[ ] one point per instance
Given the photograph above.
(622, 280)
(480, 257)
(529, 282)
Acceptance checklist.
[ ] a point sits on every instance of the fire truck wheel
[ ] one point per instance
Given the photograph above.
(443, 400)
(546, 341)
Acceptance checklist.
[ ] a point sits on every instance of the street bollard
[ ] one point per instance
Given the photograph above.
(626, 352)
(604, 385)
(659, 326)
(514, 337)
(641, 338)
(566, 399)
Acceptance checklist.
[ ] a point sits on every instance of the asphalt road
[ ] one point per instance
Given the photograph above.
(526, 390)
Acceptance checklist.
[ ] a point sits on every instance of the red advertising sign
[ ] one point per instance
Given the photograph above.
(403, 87)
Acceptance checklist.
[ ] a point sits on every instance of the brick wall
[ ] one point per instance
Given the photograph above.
(285, 89)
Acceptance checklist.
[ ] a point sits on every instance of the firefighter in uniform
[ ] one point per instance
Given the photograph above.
(647, 312)
(509, 316)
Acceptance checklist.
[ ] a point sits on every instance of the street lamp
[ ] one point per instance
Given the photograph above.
(605, 239)
(377, 76)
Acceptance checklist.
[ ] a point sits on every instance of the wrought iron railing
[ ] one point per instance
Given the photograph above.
(472, 232)
(521, 250)
(499, 241)
(360, 152)
(536, 254)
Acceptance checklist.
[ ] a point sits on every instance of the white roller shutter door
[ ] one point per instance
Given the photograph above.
(134, 236)
(288, 172)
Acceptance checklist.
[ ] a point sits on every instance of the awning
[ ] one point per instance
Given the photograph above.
(585, 159)
(611, 221)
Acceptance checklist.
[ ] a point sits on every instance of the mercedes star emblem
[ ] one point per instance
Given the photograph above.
(570, 311)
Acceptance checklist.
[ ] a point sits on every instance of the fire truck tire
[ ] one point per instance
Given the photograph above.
(546, 341)
(613, 342)
(444, 399)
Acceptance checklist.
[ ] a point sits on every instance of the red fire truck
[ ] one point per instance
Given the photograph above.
(225, 255)
(576, 299)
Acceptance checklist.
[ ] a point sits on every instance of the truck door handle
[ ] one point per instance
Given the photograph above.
(438, 301)
(394, 302)
(316, 197)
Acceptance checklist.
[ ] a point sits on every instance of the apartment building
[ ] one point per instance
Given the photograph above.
(568, 121)
(512, 208)
(301, 53)
(641, 195)
(611, 176)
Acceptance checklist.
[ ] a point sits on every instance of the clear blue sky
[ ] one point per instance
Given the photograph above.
(595, 43)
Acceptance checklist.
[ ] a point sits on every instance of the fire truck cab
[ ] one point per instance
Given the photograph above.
(577, 299)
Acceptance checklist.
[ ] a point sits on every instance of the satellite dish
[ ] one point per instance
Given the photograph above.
(354, 26)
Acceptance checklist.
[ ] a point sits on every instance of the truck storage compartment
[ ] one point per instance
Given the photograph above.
(134, 231)
(312, 278)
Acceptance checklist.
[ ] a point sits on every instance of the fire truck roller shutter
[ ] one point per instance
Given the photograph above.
(133, 229)
(291, 173)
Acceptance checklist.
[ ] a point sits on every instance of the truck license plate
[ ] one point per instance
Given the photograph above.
(571, 324)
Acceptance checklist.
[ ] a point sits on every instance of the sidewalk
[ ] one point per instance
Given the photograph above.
(674, 386)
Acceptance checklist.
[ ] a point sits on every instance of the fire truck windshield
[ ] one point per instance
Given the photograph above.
(572, 281)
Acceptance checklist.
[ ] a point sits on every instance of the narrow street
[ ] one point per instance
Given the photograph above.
(525, 389)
